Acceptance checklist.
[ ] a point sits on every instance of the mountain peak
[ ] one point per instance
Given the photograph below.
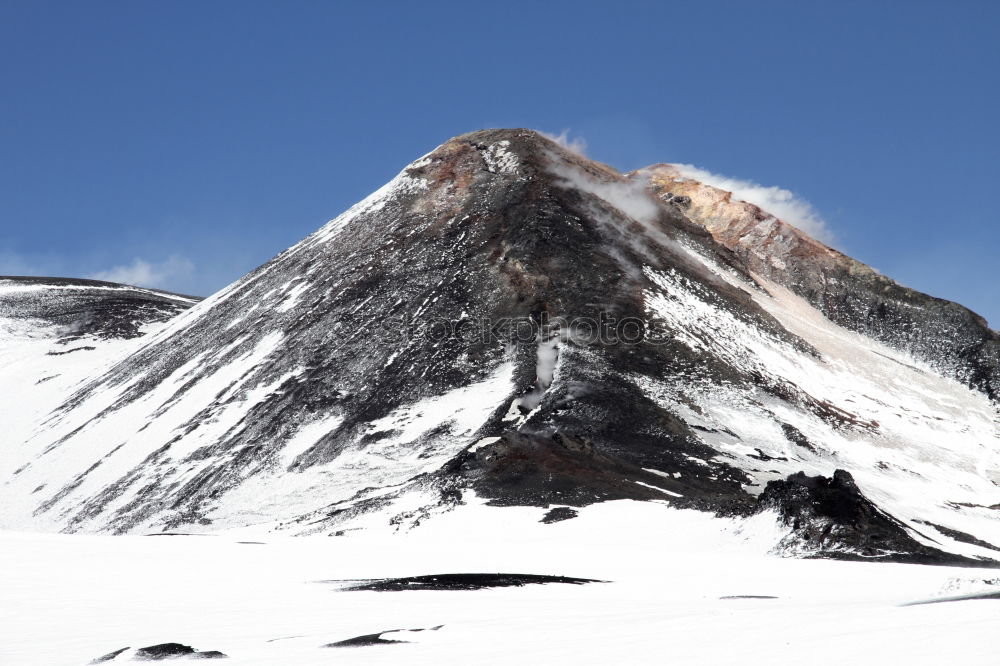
(507, 321)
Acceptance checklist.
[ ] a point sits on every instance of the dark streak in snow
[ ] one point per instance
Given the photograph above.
(459, 581)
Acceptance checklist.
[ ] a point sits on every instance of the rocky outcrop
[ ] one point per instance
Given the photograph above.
(159, 652)
(949, 337)
(554, 468)
(831, 517)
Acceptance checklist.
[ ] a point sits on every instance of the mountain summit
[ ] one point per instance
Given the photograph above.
(507, 321)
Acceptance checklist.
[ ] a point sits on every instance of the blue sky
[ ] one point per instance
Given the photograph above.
(184, 143)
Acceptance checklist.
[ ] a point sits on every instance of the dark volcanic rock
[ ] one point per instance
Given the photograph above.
(980, 596)
(748, 596)
(368, 640)
(460, 581)
(558, 514)
(535, 468)
(173, 650)
(109, 656)
(365, 641)
(830, 517)
(164, 651)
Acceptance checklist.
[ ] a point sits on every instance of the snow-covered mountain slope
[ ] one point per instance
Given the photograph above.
(57, 333)
(510, 321)
(71, 309)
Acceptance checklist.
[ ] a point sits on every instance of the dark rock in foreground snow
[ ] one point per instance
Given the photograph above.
(748, 596)
(365, 641)
(459, 581)
(109, 656)
(559, 514)
(368, 640)
(831, 517)
(979, 596)
(174, 650)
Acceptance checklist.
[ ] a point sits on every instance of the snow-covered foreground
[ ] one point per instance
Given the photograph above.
(67, 599)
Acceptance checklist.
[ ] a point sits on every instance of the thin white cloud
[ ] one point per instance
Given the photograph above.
(142, 273)
(777, 201)
(576, 144)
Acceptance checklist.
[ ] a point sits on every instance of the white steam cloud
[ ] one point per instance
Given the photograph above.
(777, 201)
(630, 197)
(142, 273)
(576, 144)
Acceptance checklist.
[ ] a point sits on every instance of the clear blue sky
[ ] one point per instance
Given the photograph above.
(200, 138)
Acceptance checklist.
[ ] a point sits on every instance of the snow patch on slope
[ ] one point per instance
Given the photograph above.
(500, 159)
